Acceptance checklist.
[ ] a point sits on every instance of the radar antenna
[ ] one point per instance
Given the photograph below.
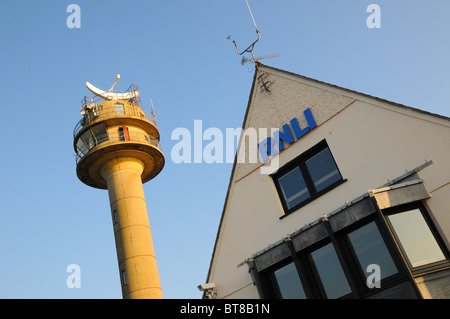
(110, 95)
(265, 84)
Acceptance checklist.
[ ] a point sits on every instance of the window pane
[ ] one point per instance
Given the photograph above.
(416, 238)
(119, 109)
(293, 187)
(370, 249)
(99, 133)
(124, 277)
(323, 170)
(330, 272)
(88, 139)
(289, 282)
(115, 216)
(81, 146)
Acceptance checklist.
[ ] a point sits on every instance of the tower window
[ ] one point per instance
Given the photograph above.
(115, 216)
(123, 133)
(124, 277)
(119, 109)
(99, 132)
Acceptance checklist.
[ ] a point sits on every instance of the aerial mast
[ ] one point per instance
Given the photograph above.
(253, 59)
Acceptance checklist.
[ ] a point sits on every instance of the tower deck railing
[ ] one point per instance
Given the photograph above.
(113, 138)
(132, 92)
(101, 112)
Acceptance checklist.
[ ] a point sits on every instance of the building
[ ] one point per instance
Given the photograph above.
(357, 206)
(117, 148)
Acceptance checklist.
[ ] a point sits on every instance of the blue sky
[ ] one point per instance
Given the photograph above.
(178, 54)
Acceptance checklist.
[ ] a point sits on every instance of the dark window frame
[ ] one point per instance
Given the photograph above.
(355, 275)
(312, 289)
(356, 272)
(308, 262)
(300, 162)
(274, 281)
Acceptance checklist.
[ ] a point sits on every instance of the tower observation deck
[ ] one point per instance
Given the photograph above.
(117, 148)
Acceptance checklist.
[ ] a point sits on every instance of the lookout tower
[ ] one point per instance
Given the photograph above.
(117, 148)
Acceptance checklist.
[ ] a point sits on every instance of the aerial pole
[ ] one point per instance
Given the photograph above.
(253, 59)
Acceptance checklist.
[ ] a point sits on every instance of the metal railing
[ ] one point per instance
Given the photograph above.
(132, 91)
(111, 138)
(118, 109)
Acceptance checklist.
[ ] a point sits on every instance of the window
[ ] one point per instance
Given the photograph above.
(323, 170)
(415, 237)
(370, 248)
(288, 282)
(119, 109)
(330, 272)
(309, 176)
(99, 132)
(88, 139)
(115, 216)
(293, 187)
(124, 277)
(378, 255)
(123, 134)
(81, 146)
(91, 138)
(359, 261)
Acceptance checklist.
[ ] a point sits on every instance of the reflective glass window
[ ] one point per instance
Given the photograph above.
(82, 147)
(323, 170)
(293, 187)
(307, 177)
(416, 238)
(100, 133)
(88, 139)
(370, 248)
(289, 282)
(330, 272)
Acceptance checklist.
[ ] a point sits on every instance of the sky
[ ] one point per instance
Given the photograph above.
(178, 53)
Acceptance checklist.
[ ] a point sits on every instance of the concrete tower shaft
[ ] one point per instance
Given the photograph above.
(117, 148)
(135, 252)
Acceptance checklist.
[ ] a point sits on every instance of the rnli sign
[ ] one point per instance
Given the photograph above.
(274, 144)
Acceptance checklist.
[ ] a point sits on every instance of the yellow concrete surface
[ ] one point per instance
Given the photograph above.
(134, 243)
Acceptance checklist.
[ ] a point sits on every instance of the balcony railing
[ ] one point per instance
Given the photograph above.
(92, 142)
(132, 93)
(97, 112)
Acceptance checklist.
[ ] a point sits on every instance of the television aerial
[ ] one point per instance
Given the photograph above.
(253, 59)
